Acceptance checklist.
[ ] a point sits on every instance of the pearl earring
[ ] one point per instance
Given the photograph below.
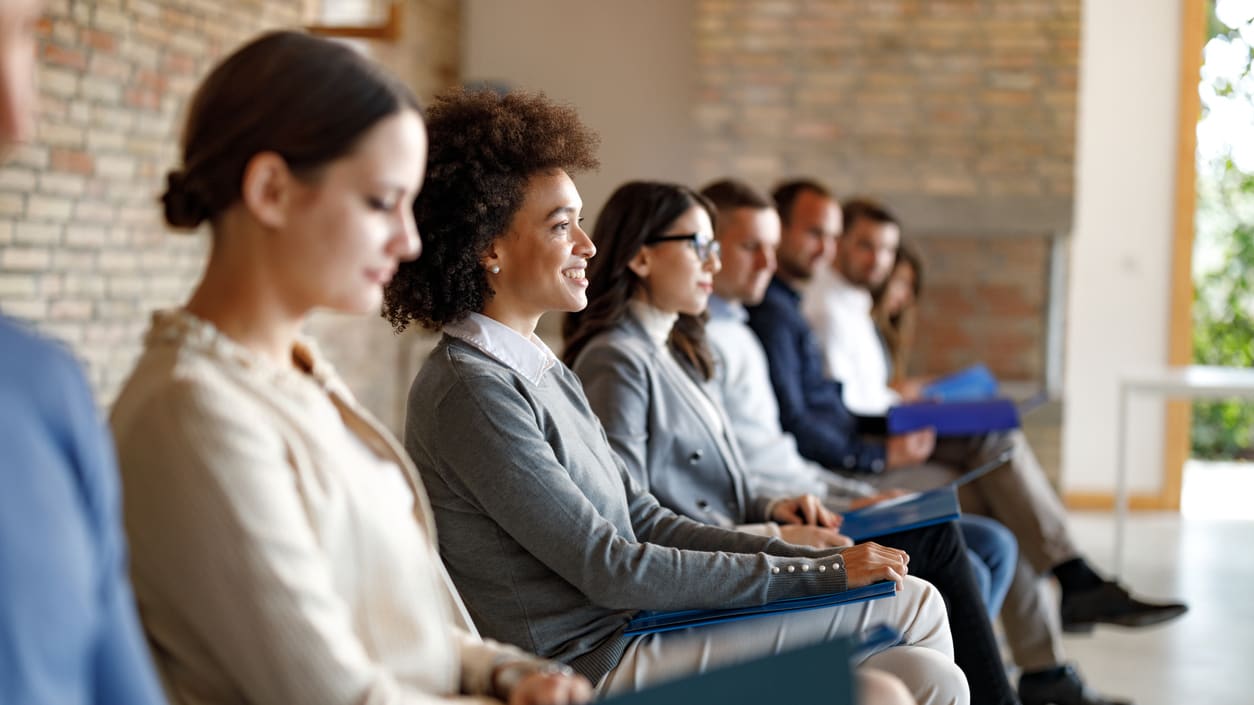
(495, 269)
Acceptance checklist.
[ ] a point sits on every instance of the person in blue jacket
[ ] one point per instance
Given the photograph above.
(69, 633)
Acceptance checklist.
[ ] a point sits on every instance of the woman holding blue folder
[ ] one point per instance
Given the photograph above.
(640, 350)
(551, 543)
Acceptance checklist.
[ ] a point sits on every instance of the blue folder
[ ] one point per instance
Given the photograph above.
(970, 384)
(652, 622)
(812, 674)
(902, 514)
(957, 418)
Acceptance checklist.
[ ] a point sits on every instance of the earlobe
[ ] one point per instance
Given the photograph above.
(266, 190)
(491, 260)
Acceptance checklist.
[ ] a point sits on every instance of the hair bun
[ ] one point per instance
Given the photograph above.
(185, 205)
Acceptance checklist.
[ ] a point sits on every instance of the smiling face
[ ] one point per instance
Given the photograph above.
(809, 236)
(348, 228)
(543, 257)
(749, 237)
(867, 251)
(673, 277)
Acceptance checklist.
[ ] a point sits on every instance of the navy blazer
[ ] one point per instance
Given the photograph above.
(658, 428)
(810, 403)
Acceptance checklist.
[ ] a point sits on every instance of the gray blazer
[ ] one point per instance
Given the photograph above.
(658, 428)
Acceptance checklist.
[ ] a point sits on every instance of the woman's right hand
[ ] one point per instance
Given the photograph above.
(551, 689)
(817, 536)
(870, 562)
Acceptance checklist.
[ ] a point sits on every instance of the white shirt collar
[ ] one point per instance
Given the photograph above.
(657, 323)
(529, 357)
(853, 296)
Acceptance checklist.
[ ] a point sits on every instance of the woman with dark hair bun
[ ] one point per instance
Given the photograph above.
(283, 547)
(550, 541)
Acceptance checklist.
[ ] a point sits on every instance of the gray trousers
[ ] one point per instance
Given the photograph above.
(925, 664)
(1019, 496)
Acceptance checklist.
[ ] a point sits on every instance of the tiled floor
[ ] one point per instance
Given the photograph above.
(1207, 657)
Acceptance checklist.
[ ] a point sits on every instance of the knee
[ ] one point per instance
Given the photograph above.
(943, 682)
(931, 677)
(926, 618)
(876, 687)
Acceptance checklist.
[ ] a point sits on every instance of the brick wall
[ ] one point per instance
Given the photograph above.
(83, 251)
(959, 114)
(984, 300)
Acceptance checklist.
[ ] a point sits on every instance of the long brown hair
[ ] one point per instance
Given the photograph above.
(637, 211)
(898, 329)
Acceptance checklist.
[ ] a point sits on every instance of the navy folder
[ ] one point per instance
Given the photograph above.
(812, 674)
(956, 418)
(903, 513)
(651, 622)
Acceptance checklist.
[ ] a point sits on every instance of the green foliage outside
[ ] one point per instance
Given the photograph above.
(1223, 307)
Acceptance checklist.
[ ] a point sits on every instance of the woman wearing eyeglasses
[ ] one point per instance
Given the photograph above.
(640, 350)
(634, 347)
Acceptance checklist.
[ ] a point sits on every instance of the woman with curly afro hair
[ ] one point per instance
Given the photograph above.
(552, 545)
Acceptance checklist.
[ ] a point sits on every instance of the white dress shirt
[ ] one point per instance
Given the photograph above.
(840, 314)
(773, 464)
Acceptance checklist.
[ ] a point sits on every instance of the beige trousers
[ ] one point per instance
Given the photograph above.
(924, 664)
(1019, 496)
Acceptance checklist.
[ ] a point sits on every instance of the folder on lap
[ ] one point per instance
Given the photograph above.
(811, 674)
(956, 418)
(653, 622)
(918, 509)
(913, 511)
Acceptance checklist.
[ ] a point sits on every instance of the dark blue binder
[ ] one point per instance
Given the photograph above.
(956, 418)
(903, 513)
(652, 622)
(812, 674)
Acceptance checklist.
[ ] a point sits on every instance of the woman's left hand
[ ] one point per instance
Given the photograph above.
(805, 509)
(551, 689)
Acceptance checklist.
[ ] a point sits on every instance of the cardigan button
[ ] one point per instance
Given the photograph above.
(775, 570)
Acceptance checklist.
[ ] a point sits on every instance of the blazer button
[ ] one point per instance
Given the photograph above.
(702, 504)
(696, 455)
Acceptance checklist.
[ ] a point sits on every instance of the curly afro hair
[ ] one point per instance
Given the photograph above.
(484, 148)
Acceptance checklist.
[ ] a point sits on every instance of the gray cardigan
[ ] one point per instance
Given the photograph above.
(550, 543)
(659, 431)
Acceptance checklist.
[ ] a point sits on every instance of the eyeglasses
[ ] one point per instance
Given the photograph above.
(706, 249)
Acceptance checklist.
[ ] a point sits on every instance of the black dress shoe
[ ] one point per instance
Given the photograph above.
(1109, 603)
(1060, 687)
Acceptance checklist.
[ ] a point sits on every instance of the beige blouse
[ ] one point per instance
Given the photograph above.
(274, 560)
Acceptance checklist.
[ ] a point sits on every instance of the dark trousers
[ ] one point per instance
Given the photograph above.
(939, 556)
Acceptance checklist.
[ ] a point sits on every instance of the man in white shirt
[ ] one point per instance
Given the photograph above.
(837, 304)
(748, 233)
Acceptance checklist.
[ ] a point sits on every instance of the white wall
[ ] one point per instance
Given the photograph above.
(1117, 308)
(626, 65)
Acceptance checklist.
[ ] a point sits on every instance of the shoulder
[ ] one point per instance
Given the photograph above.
(182, 395)
(457, 376)
(35, 363)
(620, 350)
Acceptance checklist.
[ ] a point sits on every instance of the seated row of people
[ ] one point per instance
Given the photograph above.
(775, 378)
(285, 548)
